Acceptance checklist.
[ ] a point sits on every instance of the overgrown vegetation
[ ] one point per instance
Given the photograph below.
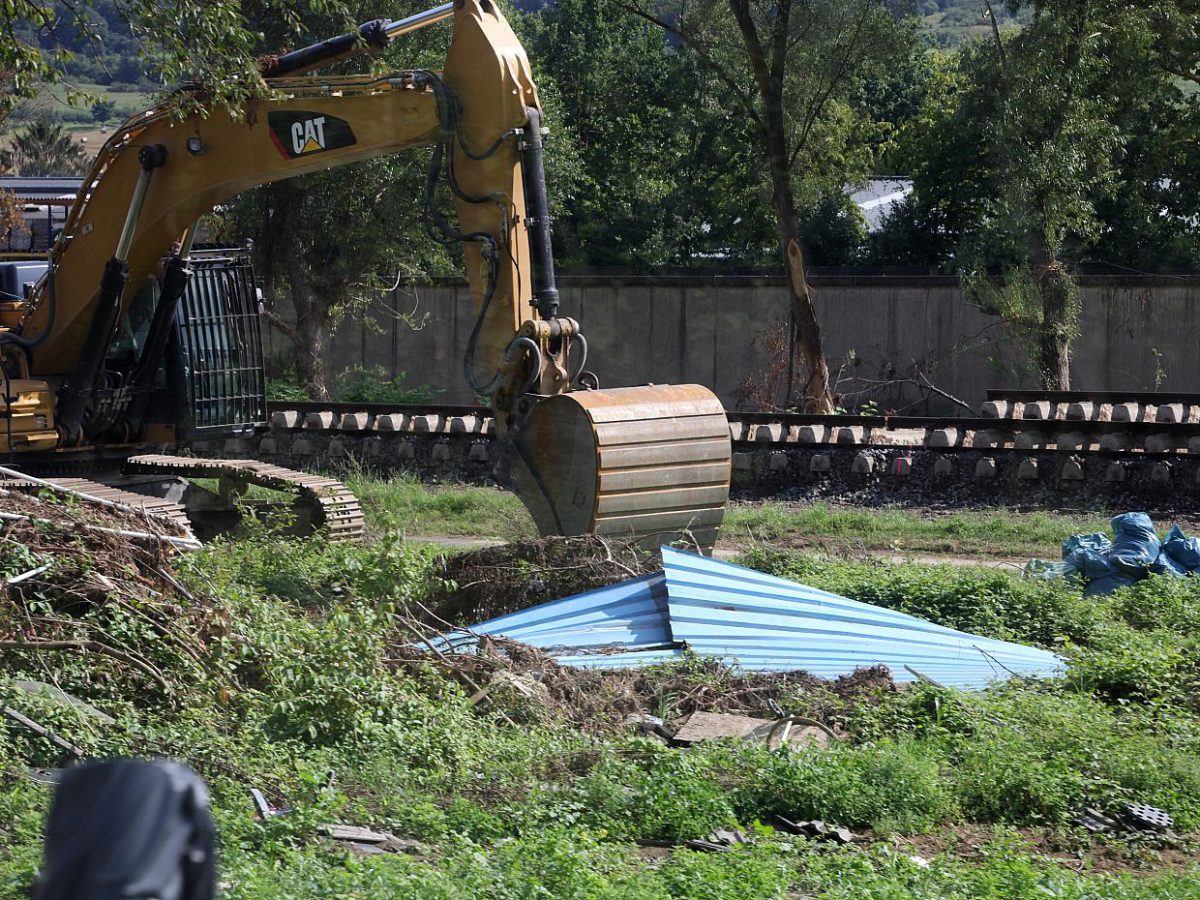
(488, 512)
(358, 384)
(404, 502)
(988, 532)
(303, 674)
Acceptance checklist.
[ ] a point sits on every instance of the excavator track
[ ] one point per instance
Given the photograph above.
(335, 505)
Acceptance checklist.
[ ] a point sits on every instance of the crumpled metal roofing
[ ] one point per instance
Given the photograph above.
(755, 622)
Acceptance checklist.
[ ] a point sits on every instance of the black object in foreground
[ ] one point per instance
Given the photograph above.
(129, 830)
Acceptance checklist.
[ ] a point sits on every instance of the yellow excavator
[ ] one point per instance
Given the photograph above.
(135, 340)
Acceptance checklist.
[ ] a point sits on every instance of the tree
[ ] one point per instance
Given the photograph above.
(1149, 221)
(103, 110)
(331, 244)
(1046, 143)
(210, 41)
(328, 245)
(44, 147)
(649, 165)
(791, 68)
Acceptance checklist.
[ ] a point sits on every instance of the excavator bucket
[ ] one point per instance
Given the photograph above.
(649, 464)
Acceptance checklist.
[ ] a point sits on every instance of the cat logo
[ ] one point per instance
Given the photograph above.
(308, 135)
(297, 134)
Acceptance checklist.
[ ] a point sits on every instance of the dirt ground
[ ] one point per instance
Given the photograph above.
(1136, 854)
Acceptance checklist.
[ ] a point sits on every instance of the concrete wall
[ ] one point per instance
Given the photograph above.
(1135, 334)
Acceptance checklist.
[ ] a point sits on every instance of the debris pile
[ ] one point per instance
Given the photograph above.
(1133, 817)
(520, 683)
(496, 581)
(95, 582)
(1103, 564)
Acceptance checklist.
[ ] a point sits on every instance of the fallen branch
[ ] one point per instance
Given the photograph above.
(42, 731)
(71, 492)
(180, 543)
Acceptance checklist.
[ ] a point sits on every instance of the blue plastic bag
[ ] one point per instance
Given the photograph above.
(1097, 541)
(1091, 564)
(1051, 571)
(1108, 584)
(1135, 544)
(1182, 550)
(1164, 565)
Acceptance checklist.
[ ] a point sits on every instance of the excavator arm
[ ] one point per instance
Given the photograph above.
(648, 462)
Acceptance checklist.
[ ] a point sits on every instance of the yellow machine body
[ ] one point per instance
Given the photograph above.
(649, 462)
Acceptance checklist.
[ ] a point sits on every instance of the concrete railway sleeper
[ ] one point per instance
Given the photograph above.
(1166, 429)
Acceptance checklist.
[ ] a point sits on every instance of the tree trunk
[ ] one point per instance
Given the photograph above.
(814, 394)
(309, 335)
(281, 260)
(814, 398)
(768, 77)
(310, 357)
(1056, 288)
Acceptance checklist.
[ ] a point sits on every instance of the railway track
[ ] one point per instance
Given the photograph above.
(1117, 425)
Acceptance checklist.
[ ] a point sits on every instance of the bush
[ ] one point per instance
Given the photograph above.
(1024, 755)
(377, 385)
(890, 786)
(671, 796)
(1010, 781)
(981, 601)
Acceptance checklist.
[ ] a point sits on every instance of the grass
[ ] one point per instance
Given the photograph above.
(299, 678)
(407, 503)
(488, 512)
(998, 532)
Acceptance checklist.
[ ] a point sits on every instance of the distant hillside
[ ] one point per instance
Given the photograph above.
(105, 52)
(954, 21)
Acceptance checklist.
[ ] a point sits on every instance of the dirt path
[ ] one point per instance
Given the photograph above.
(729, 551)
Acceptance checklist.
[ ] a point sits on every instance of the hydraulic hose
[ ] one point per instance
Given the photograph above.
(537, 217)
(583, 354)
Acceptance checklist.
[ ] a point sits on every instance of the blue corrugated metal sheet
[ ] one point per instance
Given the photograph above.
(628, 616)
(755, 622)
(764, 623)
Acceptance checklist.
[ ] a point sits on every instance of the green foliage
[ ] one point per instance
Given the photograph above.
(302, 696)
(981, 601)
(977, 533)
(212, 42)
(1029, 755)
(665, 796)
(648, 164)
(43, 147)
(404, 503)
(892, 785)
(1038, 147)
(375, 385)
(358, 384)
(103, 110)
(285, 386)
(834, 231)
